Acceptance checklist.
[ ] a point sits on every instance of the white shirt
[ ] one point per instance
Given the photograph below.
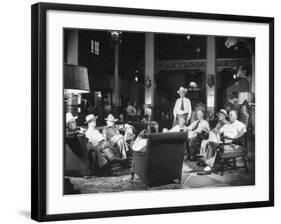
(94, 136)
(177, 128)
(234, 130)
(202, 126)
(139, 144)
(186, 105)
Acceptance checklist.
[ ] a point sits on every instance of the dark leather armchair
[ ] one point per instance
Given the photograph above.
(162, 161)
(76, 162)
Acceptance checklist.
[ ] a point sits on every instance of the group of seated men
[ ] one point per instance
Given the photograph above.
(103, 144)
(227, 130)
(200, 136)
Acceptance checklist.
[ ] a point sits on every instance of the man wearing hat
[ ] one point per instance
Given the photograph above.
(100, 151)
(182, 106)
(222, 116)
(71, 127)
(112, 135)
(94, 136)
(76, 156)
(207, 150)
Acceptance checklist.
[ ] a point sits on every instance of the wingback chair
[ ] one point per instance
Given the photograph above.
(76, 162)
(162, 161)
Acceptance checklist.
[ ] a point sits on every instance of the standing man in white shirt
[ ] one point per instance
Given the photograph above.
(182, 106)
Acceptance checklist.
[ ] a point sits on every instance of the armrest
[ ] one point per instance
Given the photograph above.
(237, 141)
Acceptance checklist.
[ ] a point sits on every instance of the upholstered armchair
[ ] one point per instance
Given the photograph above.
(76, 162)
(161, 163)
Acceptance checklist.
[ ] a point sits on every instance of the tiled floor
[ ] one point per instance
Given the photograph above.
(233, 177)
(236, 178)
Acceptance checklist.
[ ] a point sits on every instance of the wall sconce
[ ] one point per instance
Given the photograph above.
(211, 81)
(240, 73)
(147, 82)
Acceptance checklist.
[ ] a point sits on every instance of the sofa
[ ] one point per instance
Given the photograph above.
(161, 163)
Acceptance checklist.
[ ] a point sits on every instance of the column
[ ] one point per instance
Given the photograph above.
(149, 69)
(211, 71)
(253, 72)
(72, 47)
(116, 77)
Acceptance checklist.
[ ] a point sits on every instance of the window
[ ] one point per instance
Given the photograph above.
(95, 47)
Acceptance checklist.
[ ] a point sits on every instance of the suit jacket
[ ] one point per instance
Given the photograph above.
(109, 132)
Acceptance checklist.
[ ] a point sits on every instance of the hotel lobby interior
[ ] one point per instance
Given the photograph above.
(136, 77)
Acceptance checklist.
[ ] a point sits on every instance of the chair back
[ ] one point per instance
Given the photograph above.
(163, 160)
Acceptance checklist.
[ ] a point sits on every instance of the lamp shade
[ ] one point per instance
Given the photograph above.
(76, 79)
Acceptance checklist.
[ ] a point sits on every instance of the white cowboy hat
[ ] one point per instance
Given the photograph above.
(90, 118)
(110, 117)
(223, 111)
(69, 117)
(181, 89)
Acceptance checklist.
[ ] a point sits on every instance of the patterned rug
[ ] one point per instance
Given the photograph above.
(114, 184)
(121, 181)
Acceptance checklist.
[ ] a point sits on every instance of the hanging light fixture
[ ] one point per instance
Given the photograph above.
(116, 35)
(75, 79)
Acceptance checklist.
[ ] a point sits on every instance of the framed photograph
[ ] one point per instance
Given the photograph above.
(138, 111)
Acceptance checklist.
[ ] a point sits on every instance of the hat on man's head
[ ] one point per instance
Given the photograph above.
(182, 90)
(69, 117)
(89, 118)
(111, 118)
(223, 111)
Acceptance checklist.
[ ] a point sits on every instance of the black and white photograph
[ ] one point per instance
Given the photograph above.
(148, 111)
(139, 112)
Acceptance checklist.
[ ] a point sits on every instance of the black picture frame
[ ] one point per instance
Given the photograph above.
(39, 123)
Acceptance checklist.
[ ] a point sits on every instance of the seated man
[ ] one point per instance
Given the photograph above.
(76, 153)
(72, 132)
(181, 127)
(71, 127)
(194, 133)
(112, 136)
(234, 130)
(229, 132)
(101, 151)
(141, 140)
(207, 152)
(125, 129)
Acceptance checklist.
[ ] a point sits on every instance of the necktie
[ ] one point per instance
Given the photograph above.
(196, 126)
(182, 106)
